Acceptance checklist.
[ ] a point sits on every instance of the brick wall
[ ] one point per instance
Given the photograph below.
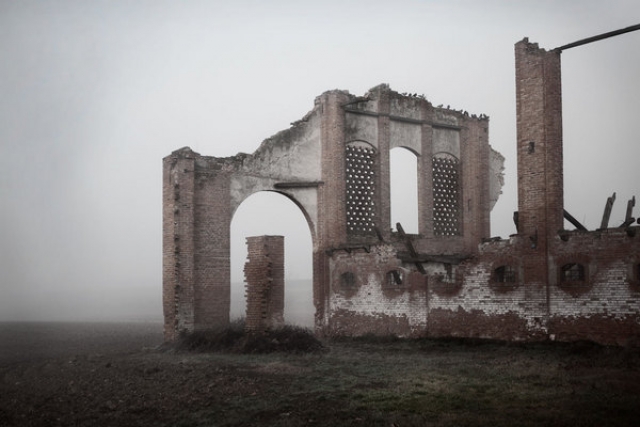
(605, 307)
(373, 300)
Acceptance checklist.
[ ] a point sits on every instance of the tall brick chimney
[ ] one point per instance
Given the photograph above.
(539, 125)
(539, 111)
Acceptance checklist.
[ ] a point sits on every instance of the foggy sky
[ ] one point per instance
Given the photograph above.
(93, 94)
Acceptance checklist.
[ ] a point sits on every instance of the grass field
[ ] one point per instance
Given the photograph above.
(128, 381)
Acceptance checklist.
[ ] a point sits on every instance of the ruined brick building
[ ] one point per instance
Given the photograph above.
(450, 279)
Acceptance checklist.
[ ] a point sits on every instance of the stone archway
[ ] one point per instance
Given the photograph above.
(272, 213)
(200, 196)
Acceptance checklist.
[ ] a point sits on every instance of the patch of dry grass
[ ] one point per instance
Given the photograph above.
(361, 382)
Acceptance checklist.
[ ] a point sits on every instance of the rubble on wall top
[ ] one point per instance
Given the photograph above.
(382, 87)
(534, 47)
(184, 152)
(375, 92)
(283, 136)
(528, 43)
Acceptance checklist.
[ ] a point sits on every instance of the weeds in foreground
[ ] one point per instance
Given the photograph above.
(386, 381)
(234, 338)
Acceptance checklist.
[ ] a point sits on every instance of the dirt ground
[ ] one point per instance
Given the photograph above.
(57, 374)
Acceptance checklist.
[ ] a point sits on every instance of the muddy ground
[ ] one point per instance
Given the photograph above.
(74, 374)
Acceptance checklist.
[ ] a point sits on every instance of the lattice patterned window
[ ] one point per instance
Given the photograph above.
(395, 278)
(360, 160)
(572, 273)
(347, 280)
(505, 274)
(446, 196)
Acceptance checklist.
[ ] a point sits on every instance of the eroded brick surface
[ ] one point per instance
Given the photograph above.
(264, 276)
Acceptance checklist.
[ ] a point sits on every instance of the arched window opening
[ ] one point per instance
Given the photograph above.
(505, 274)
(447, 211)
(395, 278)
(572, 273)
(347, 280)
(361, 189)
(270, 213)
(403, 175)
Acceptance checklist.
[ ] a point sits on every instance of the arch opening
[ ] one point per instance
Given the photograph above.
(403, 176)
(272, 213)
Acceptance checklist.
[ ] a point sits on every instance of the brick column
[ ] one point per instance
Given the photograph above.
(332, 221)
(264, 276)
(177, 243)
(212, 242)
(425, 174)
(475, 176)
(383, 171)
(539, 125)
(540, 176)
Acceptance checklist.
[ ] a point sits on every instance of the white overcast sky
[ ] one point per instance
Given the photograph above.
(93, 94)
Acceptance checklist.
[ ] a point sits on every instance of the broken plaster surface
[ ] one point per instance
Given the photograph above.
(371, 301)
(373, 298)
(496, 176)
(446, 141)
(408, 135)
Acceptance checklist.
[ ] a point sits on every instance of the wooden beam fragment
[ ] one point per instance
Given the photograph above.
(297, 184)
(442, 259)
(574, 221)
(599, 37)
(412, 250)
(607, 212)
(629, 219)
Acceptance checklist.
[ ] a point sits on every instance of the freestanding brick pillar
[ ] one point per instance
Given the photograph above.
(540, 173)
(264, 275)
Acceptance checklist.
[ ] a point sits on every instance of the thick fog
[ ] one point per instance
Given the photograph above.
(93, 94)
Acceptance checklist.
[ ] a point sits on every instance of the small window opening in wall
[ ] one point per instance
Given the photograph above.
(348, 280)
(572, 272)
(448, 276)
(532, 147)
(505, 274)
(394, 278)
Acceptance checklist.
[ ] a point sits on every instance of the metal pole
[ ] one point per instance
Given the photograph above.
(599, 37)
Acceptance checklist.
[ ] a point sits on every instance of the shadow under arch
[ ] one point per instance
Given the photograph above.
(267, 212)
